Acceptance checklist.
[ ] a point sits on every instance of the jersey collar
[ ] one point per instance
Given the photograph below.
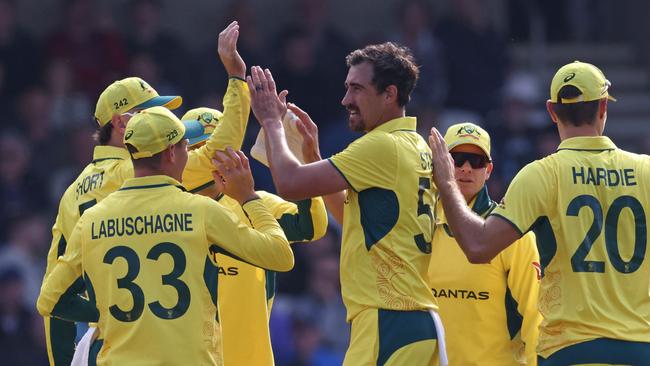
(152, 181)
(587, 143)
(105, 152)
(482, 205)
(398, 124)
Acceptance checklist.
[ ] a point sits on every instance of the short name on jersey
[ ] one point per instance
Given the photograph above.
(141, 225)
(89, 183)
(460, 294)
(603, 177)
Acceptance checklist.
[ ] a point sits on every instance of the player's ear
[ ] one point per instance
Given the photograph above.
(551, 112)
(390, 93)
(602, 108)
(488, 170)
(119, 124)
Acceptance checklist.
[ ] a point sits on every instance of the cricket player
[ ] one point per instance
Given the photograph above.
(147, 251)
(111, 164)
(490, 310)
(246, 292)
(586, 204)
(387, 219)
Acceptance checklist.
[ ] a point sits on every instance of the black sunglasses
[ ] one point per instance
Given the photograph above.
(476, 161)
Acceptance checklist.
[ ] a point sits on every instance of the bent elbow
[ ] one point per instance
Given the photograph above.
(478, 256)
(41, 307)
(287, 264)
(288, 191)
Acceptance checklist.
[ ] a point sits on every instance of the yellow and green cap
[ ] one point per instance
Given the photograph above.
(203, 118)
(468, 133)
(586, 77)
(126, 94)
(153, 129)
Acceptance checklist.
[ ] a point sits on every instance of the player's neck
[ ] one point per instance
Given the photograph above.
(140, 172)
(388, 116)
(569, 131)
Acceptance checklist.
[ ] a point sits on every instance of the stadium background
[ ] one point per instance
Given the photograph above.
(487, 61)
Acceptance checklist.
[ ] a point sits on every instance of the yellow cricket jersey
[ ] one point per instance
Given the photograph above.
(230, 131)
(111, 166)
(246, 292)
(147, 256)
(587, 205)
(387, 220)
(489, 310)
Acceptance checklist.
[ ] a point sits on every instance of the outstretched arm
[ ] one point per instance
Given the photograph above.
(231, 127)
(311, 152)
(292, 180)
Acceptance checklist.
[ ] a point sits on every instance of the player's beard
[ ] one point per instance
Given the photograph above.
(355, 121)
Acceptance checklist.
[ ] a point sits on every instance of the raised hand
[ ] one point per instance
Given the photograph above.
(309, 131)
(443, 164)
(233, 175)
(227, 49)
(266, 104)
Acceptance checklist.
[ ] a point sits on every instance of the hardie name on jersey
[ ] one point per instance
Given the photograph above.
(603, 177)
(460, 294)
(141, 225)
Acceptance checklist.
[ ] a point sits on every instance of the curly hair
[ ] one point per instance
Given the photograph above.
(392, 65)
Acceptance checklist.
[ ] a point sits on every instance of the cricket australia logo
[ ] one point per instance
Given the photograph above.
(467, 130)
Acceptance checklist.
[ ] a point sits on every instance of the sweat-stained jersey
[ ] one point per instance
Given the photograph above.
(146, 255)
(111, 166)
(387, 220)
(588, 206)
(246, 292)
(489, 310)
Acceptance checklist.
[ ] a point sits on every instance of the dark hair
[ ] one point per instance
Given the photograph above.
(392, 65)
(103, 134)
(577, 114)
(152, 162)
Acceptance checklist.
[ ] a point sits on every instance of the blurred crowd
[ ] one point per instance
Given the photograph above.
(49, 86)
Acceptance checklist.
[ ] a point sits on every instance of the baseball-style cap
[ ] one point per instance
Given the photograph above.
(205, 119)
(126, 94)
(586, 77)
(468, 133)
(152, 130)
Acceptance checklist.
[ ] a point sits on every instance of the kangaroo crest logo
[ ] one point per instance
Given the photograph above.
(468, 131)
(145, 87)
(206, 117)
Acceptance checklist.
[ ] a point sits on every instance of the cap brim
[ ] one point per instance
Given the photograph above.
(195, 132)
(167, 101)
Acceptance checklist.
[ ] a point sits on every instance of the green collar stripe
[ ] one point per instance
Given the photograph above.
(149, 186)
(201, 187)
(102, 159)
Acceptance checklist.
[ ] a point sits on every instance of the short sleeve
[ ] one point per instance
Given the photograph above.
(370, 161)
(528, 197)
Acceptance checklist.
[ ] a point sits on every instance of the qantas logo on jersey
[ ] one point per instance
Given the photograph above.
(461, 294)
(229, 271)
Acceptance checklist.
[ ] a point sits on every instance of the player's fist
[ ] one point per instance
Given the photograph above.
(233, 175)
(227, 49)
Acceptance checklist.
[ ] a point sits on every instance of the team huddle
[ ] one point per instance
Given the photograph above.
(433, 271)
